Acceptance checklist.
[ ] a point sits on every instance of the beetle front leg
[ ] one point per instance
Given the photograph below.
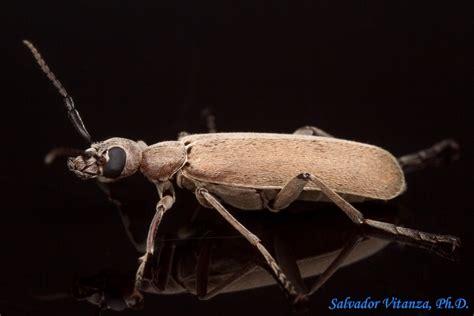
(208, 200)
(295, 187)
(312, 131)
(126, 222)
(165, 203)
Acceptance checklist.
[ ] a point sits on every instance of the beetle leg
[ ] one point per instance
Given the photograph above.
(288, 194)
(298, 297)
(139, 246)
(445, 150)
(182, 134)
(202, 269)
(249, 267)
(287, 260)
(165, 203)
(352, 244)
(206, 113)
(161, 279)
(210, 120)
(336, 263)
(312, 131)
(410, 242)
(358, 218)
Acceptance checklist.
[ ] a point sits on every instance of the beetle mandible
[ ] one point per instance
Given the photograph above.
(253, 171)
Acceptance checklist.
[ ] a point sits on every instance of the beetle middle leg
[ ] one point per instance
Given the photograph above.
(208, 200)
(295, 186)
(312, 131)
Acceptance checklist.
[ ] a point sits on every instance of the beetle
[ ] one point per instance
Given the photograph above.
(253, 171)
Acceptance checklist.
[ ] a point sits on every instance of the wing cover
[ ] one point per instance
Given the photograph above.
(268, 161)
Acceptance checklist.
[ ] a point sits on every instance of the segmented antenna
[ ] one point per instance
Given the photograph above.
(72, 113)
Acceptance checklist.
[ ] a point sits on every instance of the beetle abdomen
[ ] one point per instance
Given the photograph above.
(269, 161)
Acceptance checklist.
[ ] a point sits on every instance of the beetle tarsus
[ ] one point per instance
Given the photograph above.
(300, 303)
(145, 272)
(140, 272)
(356, 216)
(415, 234)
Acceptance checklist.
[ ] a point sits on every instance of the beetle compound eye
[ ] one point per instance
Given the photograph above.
(114, 167)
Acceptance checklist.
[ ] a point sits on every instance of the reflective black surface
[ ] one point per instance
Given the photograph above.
(396, 75)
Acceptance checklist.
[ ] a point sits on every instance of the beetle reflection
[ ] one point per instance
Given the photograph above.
(207, 258)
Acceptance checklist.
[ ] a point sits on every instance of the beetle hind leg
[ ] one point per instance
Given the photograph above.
(288, 194)
(295, 186)
(444, 151)
(414, 234)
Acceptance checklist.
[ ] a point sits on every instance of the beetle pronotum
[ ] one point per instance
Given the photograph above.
(253, 171)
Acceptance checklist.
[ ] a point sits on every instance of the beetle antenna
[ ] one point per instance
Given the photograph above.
(72, 113)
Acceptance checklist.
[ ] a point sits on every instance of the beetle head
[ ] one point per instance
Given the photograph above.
(111, 159)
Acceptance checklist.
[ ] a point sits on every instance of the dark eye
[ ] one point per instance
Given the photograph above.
(114, 167)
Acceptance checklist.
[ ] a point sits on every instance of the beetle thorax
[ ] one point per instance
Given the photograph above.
(162, 160)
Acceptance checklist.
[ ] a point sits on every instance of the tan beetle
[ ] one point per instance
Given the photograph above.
(254, 171)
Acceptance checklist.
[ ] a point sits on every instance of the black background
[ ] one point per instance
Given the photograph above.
(397, 74)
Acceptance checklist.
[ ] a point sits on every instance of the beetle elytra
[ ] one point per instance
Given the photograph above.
(253, 171)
